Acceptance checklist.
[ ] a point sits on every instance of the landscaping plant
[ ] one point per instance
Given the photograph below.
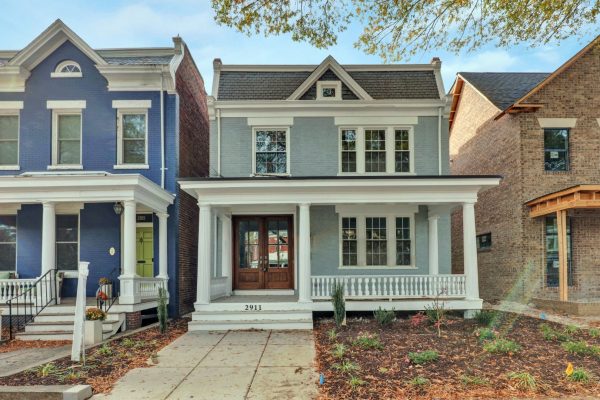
(502, 346)
(552, 334)
(105, 350)
(469, 380)
(436, 313)
(423, 357)
(418, 319)
(523, 380)
(332, 335)
(46, 370)
(419, 381)
(384, 317)
(571, 329)
(346, 366)
(594, 332)
(339, 349)
(581, 348)
(485, 334)
(485, 317)
(95, 314)
(356, 382)
(339, 304)
(367, 341)
(162, 310)
(579, 375)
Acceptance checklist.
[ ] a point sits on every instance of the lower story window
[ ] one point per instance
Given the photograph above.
(349, 242)
(67, 242)
(552, 264)
(376, 241)
(8, 243)
(484, 241)
(403, 244)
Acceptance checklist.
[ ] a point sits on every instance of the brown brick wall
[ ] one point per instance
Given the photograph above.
(193, 162)
(512, 146)
(133, 320)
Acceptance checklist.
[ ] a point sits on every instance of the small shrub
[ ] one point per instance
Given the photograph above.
(436, 313)
(581, 348)
(70, 375)
(423, 357)
(523, 380)
(332, 335)
(339, 304)
(339, 350)
(502, 346)
(346, 366)
(105, 350)
(368, 342)
(579, 375)
(485, 334)
(95, 314)
(485, 317)
(46, 370)
(383, 370)
(128, 342)
(384, 317)
(419, 381)
(594, 332)
(571, 329)
(355, 382)
(470, 380)
(551, 334)
(418, 319)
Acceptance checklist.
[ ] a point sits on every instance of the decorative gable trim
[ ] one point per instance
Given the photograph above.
(330, 63)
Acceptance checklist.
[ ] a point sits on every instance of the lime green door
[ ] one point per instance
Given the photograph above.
(145, 251)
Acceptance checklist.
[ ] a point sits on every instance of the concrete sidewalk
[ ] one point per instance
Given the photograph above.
(227, 365)
(13, 362)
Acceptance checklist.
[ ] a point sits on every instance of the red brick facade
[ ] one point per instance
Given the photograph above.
(512, 146)
(133, 320)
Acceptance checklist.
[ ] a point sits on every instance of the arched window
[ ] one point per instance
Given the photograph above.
(67, 69)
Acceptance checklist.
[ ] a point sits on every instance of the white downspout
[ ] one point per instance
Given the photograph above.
(218, 142)
(162, 131)
(440, 140)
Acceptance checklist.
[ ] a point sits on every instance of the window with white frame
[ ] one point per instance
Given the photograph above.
(66, 133)
(271, 149)
(8, 243)
(132, 146)
(377, 241)
(329, 90)
(9, 139)
(376, 150)
(67, 242)
(67, 69)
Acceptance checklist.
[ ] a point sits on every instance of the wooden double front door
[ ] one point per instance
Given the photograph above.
(263, 252)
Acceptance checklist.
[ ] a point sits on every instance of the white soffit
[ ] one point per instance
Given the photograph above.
(376, 120)
(66, 104)
(271, 121)
(385, 209)
(132, 104)
(11, 105)
(557, 122)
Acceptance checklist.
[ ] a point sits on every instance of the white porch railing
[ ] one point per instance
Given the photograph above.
(10, 288)
(147, 288)
(390, 287)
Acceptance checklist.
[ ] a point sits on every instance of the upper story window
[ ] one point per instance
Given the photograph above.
(329, 90)
(271, 151)
(376, 150)
(133, 143)
(484, 241)
(67, 69)
(67, 138)
(8, 243)
(556, 149)
(9, 140)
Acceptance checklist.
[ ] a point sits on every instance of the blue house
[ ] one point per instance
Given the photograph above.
(325, 174)
(92, 143)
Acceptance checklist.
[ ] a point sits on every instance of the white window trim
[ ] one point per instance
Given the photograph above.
(130, 111)
(337, 85)
(287, 148)
(3, 214)
(391, 241)
(58, 74)
(68, 273)
(389, 150)
(55, 114)
(13, 112)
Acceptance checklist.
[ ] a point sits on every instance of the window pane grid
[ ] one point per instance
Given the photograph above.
(403, 242)
(349, 242)
(376, 240)
(375, 150)
(556, 149)
(69, 139)
(271, 152)
(402, 151)
(348, 150)
(8, 243)
(9, 139)
(67, 242)
(552, 262)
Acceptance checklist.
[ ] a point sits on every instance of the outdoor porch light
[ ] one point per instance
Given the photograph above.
(118, 207)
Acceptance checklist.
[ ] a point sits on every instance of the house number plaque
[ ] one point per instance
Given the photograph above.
(253, 307)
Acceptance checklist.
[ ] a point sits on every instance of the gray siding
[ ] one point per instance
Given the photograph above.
(314, 147)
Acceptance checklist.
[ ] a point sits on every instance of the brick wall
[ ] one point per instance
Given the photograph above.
(193, 162)
(133, 320)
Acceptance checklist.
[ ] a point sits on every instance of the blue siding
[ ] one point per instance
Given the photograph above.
(29, 240)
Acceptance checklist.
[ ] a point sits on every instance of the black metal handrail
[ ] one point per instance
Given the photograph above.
(24, 307)
(107, 293)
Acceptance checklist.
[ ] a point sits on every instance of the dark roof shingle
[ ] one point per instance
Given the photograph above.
(139, 60)
(504, 88)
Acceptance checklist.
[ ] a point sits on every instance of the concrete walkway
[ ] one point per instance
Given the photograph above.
(13, 362)
(227, 365)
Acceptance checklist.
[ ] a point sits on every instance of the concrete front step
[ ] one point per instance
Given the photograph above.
(263, 324)
(54, 335)
(250, 306)
(61, 317)
(275, 315)
(66, 326)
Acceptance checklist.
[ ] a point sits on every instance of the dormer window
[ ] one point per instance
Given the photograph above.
(67, 69)
(329, 90)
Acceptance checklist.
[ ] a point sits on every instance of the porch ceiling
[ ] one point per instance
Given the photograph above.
(580, 196)
(339, 190)
(98, 187)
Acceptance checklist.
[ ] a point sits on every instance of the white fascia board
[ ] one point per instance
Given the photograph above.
(137, 77)
(11, 105)
(132, 104)
(557, 122)
(363, 121)
(268, 121)
(358, 209)
(13, 78)
(66, 104)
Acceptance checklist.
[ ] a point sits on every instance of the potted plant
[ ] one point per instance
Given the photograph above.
(106, 287)
(93, 325)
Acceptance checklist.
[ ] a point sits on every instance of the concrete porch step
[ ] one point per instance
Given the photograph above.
(66, 326)
(252, 306)
(279, 315)
(263, 324)
(53, 335)
(62, 317)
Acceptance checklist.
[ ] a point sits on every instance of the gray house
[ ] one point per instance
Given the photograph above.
(328, 173)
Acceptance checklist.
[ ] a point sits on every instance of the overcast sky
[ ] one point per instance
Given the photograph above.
(152, 23)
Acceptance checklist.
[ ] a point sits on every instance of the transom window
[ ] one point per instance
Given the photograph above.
(9, 140)
(67, 138)
(67, 242)
(556, 149)
(67, 69)
(376, 150)
(133, 132)
(8, 243)
(271, 151)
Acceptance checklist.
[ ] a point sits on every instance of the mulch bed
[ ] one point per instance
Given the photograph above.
(386, 373)
(14, 345)
(106, 364)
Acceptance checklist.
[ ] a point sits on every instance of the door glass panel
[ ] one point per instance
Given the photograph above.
(248, 244)
(278, 243)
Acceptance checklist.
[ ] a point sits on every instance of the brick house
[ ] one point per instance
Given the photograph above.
(537, 233)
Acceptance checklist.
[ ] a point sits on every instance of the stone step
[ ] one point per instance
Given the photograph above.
(279, 315)
(265, 324)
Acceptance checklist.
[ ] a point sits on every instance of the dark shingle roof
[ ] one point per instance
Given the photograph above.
(504, 88)
(279, 85)
(141, 60)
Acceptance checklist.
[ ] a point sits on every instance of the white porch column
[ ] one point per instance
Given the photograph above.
(204, 254)
(162, 246)
(129, 293)
(304, 268)
(226, 240)
(470, 251)
(434, 261)
(48, 237)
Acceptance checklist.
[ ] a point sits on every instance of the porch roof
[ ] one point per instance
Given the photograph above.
(579, 196)
(91, 187)
(339, 189)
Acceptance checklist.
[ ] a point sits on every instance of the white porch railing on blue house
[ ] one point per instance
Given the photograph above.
(368, 287)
